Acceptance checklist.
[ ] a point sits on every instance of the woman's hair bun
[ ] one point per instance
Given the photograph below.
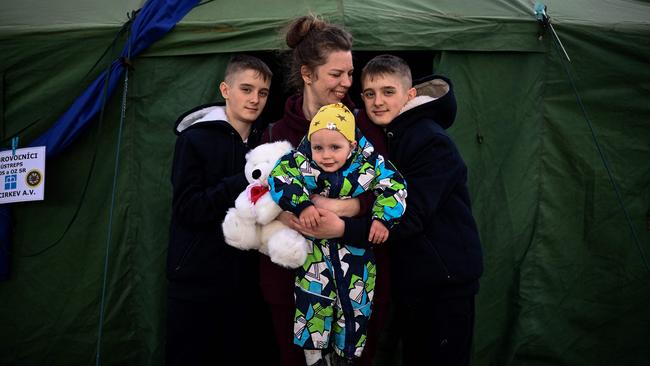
(300, 27)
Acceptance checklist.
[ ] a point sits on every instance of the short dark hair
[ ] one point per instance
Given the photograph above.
(387, 65)
(240, 62)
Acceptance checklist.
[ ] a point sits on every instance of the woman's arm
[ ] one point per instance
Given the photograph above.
(342, 208)
(331, 226)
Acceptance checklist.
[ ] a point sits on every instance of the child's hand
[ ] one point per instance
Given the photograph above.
(309, 217)
(378, 232)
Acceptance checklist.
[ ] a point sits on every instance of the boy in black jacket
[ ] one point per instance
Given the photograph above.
(213, 294)
(436, 257)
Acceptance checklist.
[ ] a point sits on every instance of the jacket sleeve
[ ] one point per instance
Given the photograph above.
(356, 230)
(390, 188)
(194, 200)
(287, 185)
(432, 169)
(366, 201)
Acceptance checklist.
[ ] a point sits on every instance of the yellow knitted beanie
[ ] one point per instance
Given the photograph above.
(333, 117)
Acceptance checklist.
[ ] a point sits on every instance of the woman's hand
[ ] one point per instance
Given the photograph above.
(340, 207)
(330, 226)
(290, 220)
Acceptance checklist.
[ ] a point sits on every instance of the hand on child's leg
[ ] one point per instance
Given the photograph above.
(290, 220)
(378, 232)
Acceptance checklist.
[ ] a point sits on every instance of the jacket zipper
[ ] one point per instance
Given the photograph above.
(346, 304)
(232, 155)
(186, 254)
(389, 141)
(335, 188)
(442, 262)
(389, 137)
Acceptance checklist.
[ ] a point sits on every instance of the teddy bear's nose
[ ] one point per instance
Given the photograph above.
(256, 174)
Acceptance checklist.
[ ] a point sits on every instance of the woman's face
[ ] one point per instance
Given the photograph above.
(329, 83)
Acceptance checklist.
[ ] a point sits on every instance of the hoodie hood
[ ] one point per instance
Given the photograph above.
(200, 114)
(435, 99)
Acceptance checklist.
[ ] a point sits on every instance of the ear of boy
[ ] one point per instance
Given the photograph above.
(412, 93)
(224, 88)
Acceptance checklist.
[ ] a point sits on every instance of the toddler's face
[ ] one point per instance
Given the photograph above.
(330, 149)
(384, 96)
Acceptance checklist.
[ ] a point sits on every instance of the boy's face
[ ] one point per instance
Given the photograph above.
(330, 149)
(384, 96)
(330, 82)
(245, 93)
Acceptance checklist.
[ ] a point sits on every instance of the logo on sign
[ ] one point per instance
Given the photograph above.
(33, 178)
(10, 182)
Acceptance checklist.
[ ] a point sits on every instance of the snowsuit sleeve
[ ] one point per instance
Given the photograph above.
(287, 185)
(390, 187)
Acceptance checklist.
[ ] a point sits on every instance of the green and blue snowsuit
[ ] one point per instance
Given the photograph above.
(335, 286)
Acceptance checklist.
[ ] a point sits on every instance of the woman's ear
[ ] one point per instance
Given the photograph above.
(306, 74)
(224, 88)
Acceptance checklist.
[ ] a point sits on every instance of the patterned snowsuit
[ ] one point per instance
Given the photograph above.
(335, 286)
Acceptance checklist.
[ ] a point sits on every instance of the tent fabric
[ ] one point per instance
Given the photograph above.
(34, 15)
(151, 23)
(565, 283)
(5, 241)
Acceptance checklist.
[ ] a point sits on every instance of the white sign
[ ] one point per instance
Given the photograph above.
(22, 175)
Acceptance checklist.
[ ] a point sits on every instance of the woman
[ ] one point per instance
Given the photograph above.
(321, 71)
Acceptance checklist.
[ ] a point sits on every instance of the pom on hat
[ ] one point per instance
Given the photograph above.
(333, 117)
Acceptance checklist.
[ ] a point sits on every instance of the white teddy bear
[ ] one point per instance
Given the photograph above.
(251, 224)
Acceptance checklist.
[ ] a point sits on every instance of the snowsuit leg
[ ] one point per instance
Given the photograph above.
(315, 294)
(357, 280)
(334, 292)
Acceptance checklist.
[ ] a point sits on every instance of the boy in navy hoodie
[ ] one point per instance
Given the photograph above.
(436, 256)
(213, 295)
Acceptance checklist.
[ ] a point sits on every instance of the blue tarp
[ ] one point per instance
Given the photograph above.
(151, 23)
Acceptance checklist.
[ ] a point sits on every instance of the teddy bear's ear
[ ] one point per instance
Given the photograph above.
(285, 146)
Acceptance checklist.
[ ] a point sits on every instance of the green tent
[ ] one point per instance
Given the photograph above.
(558, 155)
